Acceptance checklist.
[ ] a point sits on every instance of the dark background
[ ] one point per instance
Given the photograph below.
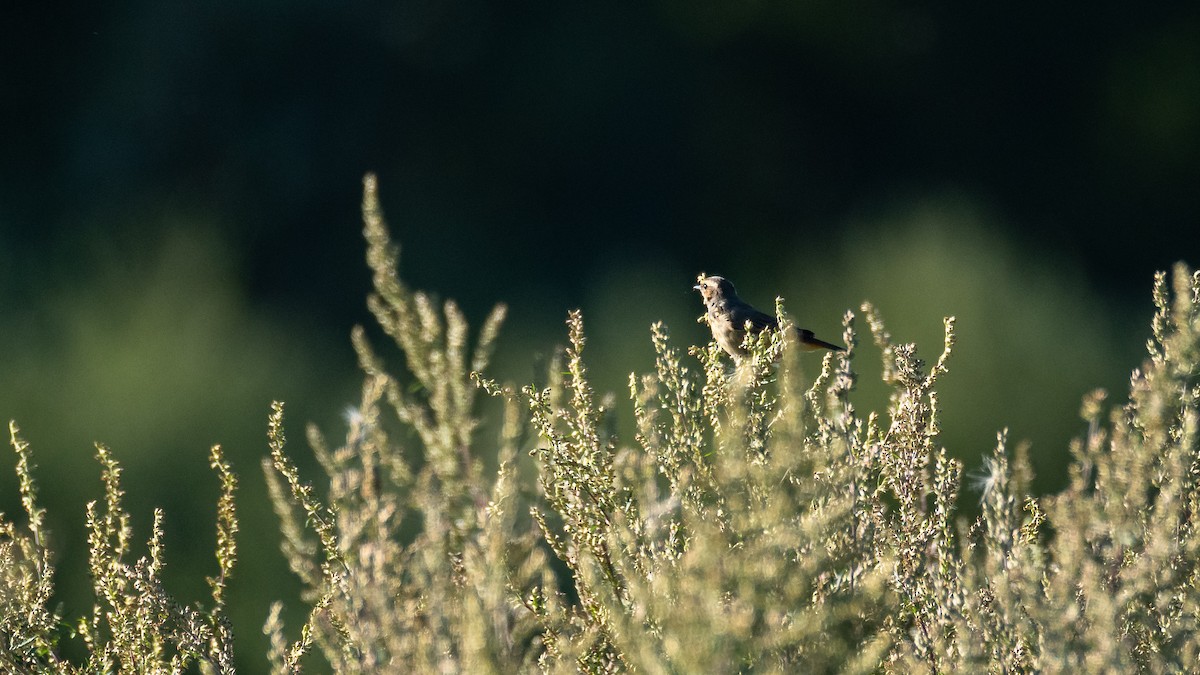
(180, 239)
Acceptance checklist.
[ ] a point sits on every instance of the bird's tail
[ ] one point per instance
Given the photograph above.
(811, 343)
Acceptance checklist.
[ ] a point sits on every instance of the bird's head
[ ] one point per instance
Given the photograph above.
(714, 288)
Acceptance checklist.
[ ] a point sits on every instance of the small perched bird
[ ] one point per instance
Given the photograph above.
(730, 317)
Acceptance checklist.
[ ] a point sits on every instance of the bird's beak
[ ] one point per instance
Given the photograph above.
(696, 287)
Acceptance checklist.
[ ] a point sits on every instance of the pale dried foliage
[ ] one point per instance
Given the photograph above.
(754, 521)
(135, 626)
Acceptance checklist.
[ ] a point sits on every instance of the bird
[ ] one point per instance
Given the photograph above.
(730, 317)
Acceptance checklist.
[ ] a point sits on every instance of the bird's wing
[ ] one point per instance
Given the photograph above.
(759, 321)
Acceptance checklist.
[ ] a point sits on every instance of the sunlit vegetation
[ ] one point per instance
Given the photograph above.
(755, 521)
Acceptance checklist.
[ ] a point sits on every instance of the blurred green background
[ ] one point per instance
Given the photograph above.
(180, 241)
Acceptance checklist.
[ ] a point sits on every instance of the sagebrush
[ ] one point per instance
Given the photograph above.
(756, 521)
